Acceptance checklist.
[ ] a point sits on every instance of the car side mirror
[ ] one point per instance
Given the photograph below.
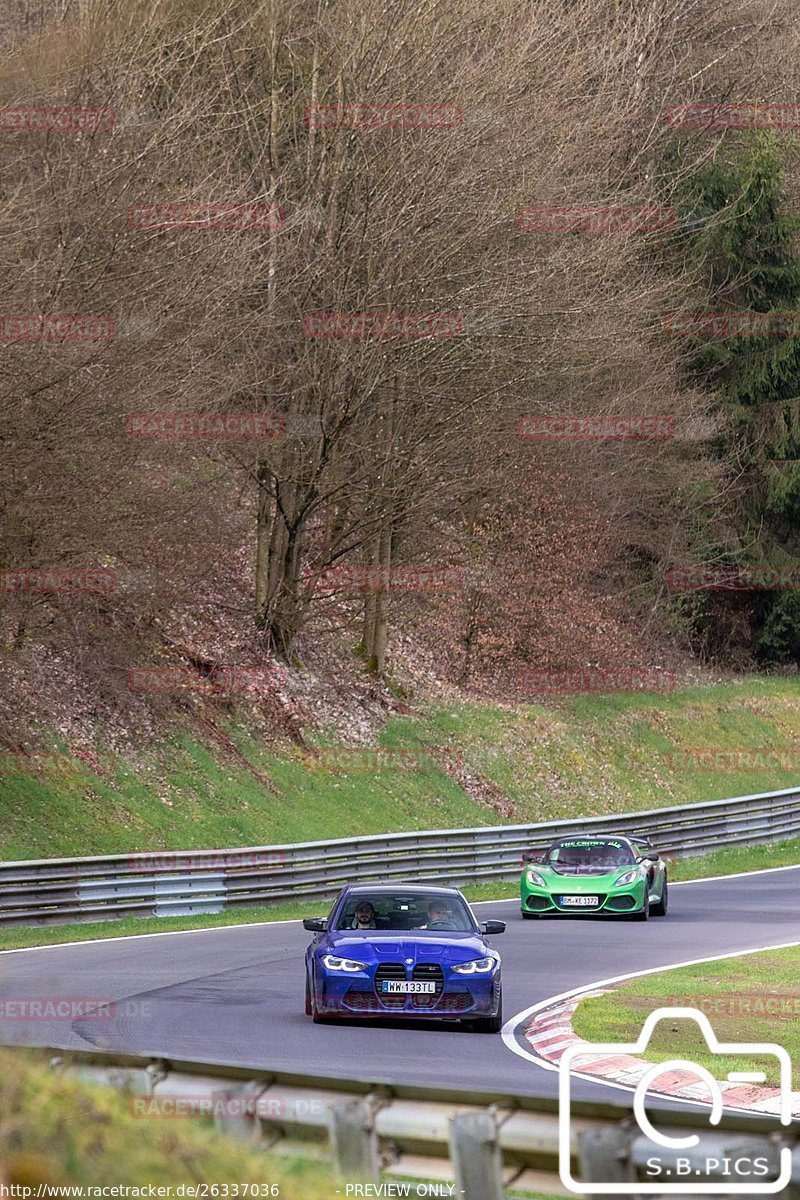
(530, 856)
(652, 857)
(493, 926)
(315, 924)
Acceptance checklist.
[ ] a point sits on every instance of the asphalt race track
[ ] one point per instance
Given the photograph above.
(235, 995)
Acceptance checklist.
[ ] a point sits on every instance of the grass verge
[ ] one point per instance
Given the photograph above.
(751, 998)
(722, 862)
(737, 858)
(573, 756)
(59, 1131)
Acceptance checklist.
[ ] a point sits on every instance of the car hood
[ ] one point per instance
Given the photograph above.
(582, 883)
(391, 947)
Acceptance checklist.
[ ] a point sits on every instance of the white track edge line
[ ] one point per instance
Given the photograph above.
(129, 937)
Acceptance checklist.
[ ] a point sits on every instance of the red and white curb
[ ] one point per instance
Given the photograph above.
(550, 1032)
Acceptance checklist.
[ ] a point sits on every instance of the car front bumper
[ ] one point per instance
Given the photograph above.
(619, 901)
(359, 994)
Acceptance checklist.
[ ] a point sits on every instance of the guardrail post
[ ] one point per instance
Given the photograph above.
(354, 1140)
(477, 1160)
(157, 1071)
(604, 1156)
(242, 1124)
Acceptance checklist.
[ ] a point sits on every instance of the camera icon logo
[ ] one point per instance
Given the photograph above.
(683, 1170)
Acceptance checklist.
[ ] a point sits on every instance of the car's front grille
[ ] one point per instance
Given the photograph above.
(621, 903)
(389, 970)
(538, 902)
(428, 971)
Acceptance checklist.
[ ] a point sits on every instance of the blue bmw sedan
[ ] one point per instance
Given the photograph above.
(403, 951)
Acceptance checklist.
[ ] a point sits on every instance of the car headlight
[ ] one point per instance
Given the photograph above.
(332, 962)
(476, 966)
(626, 878)
(535, 878)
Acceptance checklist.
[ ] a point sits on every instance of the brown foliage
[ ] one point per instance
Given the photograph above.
(403, 450)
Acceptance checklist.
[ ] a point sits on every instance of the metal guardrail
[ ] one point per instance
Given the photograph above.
(207, 881)
(491, 1144)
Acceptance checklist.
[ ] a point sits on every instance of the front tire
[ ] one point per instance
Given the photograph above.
(661, 906)
(644, 915)
(316, 1015)
(490, 1024)
(308, 998)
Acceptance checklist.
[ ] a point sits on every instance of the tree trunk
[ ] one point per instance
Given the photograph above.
(376, 605)
(264, 531)
(382, 602)
(372, 552)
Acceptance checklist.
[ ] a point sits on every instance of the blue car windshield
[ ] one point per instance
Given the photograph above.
(403, 911)
(589, 856)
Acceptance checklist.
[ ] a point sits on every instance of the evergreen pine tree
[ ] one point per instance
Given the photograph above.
(745, 253)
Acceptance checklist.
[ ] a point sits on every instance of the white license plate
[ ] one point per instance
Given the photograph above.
(580, 901)
(413, 987)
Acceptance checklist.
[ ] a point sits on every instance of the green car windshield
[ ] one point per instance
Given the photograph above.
(589, 856)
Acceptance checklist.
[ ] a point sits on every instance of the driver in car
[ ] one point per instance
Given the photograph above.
(364, 916)
(438, 916)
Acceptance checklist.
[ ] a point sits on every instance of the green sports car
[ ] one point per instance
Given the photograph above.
(596, 873)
